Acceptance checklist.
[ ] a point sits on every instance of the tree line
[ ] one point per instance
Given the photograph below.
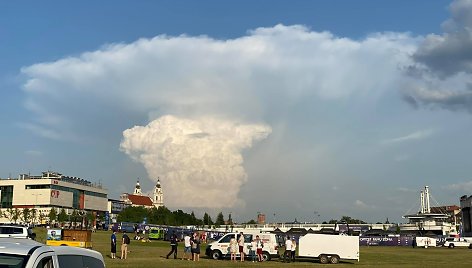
(33, 216)
(164, 216)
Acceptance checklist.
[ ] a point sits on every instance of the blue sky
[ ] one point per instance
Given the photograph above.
(284, 107)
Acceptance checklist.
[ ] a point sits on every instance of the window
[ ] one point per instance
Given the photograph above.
(45, 263)
(226, 238)
(12, 261)
(77, 261)
(11, 230)
(91, 262)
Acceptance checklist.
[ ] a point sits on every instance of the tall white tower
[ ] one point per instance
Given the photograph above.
(158, 199)
(137, 189)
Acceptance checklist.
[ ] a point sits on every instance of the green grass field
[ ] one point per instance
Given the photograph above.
(152, 254)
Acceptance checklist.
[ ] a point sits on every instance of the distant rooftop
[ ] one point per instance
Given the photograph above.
(58, 176)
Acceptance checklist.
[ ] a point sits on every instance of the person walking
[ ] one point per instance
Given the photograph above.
(187, 246)
(241, 245)
(173, 246)
(294, 248)
(113, 244)
(124, 246)
(233, 248)
(288, 249)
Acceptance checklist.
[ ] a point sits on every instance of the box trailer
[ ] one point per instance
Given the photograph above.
(73, 238)
(329, 248)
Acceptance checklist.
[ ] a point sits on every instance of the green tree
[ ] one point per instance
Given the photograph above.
(52, 216)
(62, 216)
(25, 215)
(207, 220)
(251, 222)
(220, 220)
(11, 214)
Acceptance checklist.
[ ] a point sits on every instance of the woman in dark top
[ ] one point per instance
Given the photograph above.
(196, 247)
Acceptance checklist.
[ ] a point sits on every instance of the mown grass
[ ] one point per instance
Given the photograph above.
(152, 254)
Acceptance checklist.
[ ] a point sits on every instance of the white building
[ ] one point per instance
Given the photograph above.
(138, 199)
(51, 190)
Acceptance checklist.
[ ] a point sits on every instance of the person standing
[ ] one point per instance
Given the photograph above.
(294, 248)
(124, 246)
(252, 252)
(233, 248)
(187, 246)
(173, 246)
(288, 249)
(241, 245)
(113, 244)
(196, 248)
(259, 246)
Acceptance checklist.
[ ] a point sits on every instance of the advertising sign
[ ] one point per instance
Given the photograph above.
(54, 234)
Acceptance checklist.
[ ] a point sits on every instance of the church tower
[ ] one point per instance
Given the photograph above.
(158, 199)
(137, 189)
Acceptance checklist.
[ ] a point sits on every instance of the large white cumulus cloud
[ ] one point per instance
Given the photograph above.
(276, 76)
(268, 68)
(199, 161)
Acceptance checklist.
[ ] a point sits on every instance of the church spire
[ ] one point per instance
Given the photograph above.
(137, 188)
(158, 199)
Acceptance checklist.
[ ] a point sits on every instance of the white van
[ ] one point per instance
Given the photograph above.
(16, 231)
(220, 248)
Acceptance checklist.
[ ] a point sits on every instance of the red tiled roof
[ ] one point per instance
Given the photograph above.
(140, 200)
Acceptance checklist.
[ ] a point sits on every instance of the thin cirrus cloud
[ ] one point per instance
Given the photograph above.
(417, 135)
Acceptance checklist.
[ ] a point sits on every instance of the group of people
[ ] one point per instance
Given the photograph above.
(191, 246)
(290, 248)
(124, 245)
(255, 249)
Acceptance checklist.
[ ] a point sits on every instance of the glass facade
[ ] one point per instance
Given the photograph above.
(6, 196)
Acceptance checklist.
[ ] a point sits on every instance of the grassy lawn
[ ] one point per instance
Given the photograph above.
(152, 254)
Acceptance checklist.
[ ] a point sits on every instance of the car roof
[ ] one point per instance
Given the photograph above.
(19, 246)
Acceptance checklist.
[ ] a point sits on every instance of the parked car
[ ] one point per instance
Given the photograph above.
(16, 231)
(220, 248)
(452, 242)
(27, 253)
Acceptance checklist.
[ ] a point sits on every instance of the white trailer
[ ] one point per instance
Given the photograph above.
(425, 242)
(329, 248)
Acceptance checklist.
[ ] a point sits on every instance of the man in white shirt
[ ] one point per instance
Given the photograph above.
(187, 247)
(288, 249)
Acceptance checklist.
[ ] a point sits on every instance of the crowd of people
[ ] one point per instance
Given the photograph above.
(193, 241)
(191, 246)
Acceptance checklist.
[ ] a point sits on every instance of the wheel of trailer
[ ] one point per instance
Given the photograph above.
(265, 256)
(451, 245)
(334, 259)
(216, 254)
(324, 259)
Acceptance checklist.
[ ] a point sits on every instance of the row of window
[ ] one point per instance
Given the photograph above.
(62, 188)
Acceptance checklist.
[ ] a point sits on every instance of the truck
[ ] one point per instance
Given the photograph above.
(66, 237)
(329, 248)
